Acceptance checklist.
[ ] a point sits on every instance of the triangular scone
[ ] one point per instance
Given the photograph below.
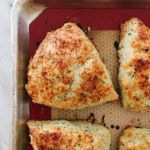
(135, 139)
(65, 135)
(66, 72)
(134, 72)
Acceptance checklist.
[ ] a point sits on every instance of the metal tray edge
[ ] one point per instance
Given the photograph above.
(15, 21)
(14, 37)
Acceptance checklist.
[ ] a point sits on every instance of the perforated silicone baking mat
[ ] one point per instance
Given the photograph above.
(104, 24)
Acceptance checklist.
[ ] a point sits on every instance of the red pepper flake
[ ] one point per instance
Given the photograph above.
(67, 80)
(44, 73)
(61, 65)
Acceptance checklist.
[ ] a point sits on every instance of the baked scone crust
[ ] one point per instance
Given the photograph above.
(66, 72)
(135, 139)
(134, 71)
(65, 135)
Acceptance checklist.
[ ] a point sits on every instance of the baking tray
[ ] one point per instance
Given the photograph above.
(104, 18)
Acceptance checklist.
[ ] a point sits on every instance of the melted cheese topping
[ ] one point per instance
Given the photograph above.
(66, 71)
(134, 71)
(64, 135)
(135, 139)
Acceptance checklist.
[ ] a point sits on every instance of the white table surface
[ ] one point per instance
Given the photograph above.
(5, 72)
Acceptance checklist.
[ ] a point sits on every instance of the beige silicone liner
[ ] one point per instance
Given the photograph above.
(112, 114)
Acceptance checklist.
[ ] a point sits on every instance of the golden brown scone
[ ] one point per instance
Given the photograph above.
(66, 72)
(134, 71)
(65, 135)
(135, 139)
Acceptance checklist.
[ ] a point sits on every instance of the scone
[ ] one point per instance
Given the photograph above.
(66, 72)
(65, 135)
(135, 139)
(134, 71)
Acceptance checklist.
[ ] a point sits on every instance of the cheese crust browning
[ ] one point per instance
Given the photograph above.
(65, 135)
(134, 71)
(135, 139)
(66, 71)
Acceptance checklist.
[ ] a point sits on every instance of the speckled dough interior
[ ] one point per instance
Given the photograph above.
(112, 114)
